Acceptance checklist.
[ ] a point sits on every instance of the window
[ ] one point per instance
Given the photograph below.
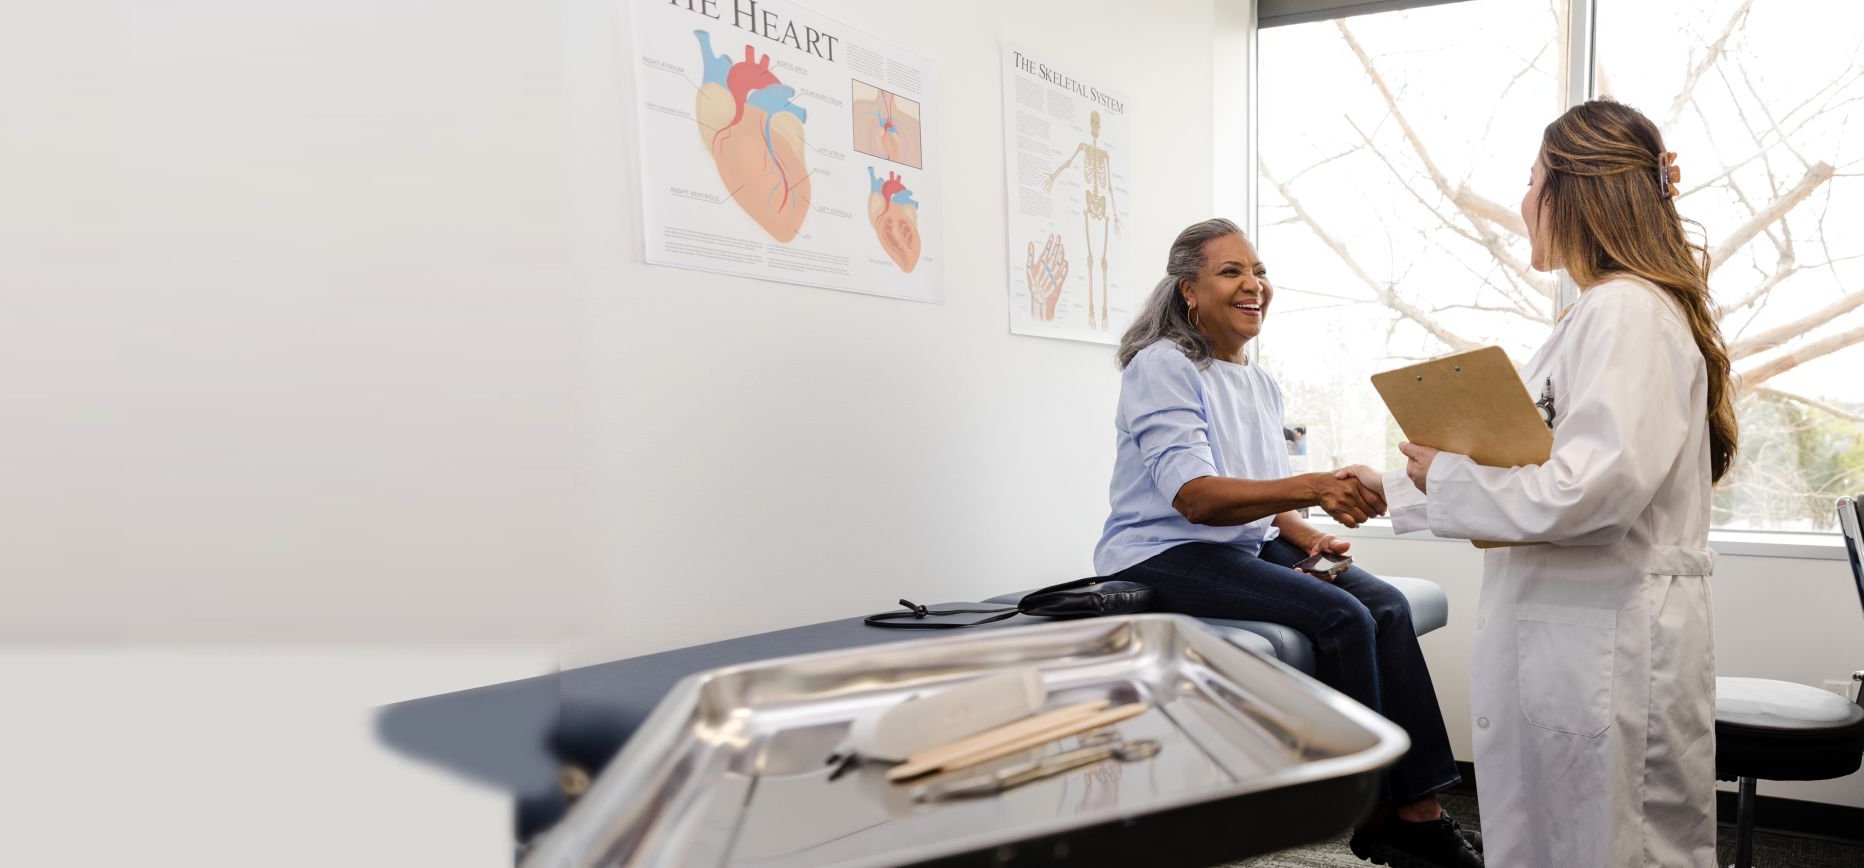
(1390, 185)
(1394, 149)
(1763, 101)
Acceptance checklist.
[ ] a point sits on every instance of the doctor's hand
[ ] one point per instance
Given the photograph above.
(1417, 465)
(1345, 499)
(1371, 479)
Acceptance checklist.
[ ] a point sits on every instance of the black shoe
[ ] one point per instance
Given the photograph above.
(1439, 843)
(1474, 838)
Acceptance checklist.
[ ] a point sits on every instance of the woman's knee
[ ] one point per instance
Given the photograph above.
(1351, 622)
(1388, 605)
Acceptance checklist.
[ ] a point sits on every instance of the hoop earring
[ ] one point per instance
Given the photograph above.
(1194, 322)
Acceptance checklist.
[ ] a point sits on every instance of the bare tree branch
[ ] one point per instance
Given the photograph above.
(1731, 168)
(1495, 245)
(1753, 377)
(1784, 332)
(1519, 304)
(1785, 268)
(1708, 60)
(1814, 403)
(1533, 64)
(1489, 308)
(1488, 209)
(1344, 299)
(1497, 249)
(1444, 219)
(1768, 215)
(1383, 291)
(1733, 183)
(1828, 92)
(1773, 123)
(1831, 89)
(1324, 161)
(1391, 102)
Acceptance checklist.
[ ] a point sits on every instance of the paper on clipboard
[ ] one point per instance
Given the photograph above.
(1472, 403)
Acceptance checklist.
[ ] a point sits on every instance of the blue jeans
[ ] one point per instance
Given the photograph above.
(1364, 644)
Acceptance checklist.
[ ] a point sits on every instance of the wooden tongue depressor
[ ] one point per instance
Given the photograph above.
(984, 747)
(932, 759)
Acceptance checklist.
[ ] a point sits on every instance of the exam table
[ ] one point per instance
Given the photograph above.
(534, 737)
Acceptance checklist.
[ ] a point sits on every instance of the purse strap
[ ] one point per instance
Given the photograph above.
(917, 612)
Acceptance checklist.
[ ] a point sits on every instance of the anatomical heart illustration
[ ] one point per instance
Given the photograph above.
(886, 125)
(754, 132)
(775, 191)
(895, 218)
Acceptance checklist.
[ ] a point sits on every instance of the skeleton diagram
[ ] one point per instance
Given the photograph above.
(1097, 173)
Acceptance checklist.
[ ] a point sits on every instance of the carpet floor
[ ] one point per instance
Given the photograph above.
(1769, 848)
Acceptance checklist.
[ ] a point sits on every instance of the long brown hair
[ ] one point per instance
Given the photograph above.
(1608, 213)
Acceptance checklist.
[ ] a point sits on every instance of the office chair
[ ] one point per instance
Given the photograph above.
(1781, 731)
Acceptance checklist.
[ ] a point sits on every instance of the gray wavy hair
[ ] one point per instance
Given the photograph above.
(1165, 315)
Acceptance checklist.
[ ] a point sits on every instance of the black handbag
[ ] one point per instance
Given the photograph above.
(1081, 598)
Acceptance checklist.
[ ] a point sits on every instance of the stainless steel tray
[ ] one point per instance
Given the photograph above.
(729, 770)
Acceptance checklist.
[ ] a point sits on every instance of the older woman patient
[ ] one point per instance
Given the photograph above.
(1203, 512)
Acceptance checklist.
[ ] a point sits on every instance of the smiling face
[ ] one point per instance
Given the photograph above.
(1230, 295)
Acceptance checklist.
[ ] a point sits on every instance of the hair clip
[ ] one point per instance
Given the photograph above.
(1668, 173)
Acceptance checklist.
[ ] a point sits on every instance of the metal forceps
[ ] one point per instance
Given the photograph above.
(1093, 750)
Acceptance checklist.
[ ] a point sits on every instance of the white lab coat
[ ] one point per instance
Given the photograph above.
(1592, 668)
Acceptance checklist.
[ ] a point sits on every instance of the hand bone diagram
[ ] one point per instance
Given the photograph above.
(1046, 273)
(750, 125)
(894, 214)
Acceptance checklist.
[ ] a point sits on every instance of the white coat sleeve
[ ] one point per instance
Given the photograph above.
(1409, 508)
(1626, 410)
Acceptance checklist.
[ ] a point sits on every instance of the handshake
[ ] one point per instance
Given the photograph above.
(1351, 494)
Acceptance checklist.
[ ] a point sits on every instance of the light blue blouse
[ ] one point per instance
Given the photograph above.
(1177, 423)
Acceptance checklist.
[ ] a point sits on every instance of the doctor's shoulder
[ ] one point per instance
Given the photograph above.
(1635, 305)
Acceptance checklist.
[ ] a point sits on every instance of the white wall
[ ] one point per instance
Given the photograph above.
(776, 454)
(236, 756)
(1786, 618)
(328, 322)
(290, 345)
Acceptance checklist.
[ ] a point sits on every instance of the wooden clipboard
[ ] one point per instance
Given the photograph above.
(1472, 403)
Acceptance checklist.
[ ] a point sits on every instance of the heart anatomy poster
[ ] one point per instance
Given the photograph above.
(1065, 150)
(780, 144)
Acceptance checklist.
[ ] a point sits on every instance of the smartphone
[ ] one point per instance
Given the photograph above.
(1325, 565)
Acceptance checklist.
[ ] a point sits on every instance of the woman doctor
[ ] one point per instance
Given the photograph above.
(1593, 665)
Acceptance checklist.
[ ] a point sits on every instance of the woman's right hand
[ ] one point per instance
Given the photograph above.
(1349, 502)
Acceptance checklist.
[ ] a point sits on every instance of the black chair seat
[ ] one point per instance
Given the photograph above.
(1780, 731)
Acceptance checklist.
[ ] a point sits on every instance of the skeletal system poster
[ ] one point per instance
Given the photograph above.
(1066, 156)
(780, 144)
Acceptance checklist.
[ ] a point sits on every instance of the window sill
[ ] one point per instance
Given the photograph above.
(1747, 544)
